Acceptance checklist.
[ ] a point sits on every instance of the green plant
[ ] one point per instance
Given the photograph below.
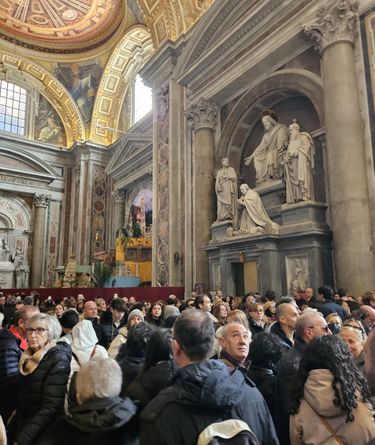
(102, 272)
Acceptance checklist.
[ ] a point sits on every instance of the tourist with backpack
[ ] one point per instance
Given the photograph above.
(204, 392)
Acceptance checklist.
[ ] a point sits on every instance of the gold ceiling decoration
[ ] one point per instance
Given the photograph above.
(54, 91)
(126, 60)
(65, 25)
(169, 19)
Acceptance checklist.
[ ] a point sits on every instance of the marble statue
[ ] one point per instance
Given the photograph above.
(226, 191)
(268, 155)
(299, 165)
(4, 251)
(299, 282)
(20, 270)
(252, 217)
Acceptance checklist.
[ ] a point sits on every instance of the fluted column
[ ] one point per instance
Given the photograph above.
(202, 118)
(40, 203)
(335, 32)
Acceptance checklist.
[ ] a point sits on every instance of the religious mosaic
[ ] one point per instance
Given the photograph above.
(48, 126)
(82, 82)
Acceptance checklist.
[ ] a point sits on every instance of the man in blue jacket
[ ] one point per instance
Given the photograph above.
(202, 391)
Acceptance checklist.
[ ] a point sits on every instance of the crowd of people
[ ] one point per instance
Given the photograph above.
(262, 369)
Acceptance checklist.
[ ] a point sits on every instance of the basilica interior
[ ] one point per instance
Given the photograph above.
(115, 120)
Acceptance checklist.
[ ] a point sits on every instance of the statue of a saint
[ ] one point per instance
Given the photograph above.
(299, 165)
(252, 217)
(4, 251)
(268, 155)
(226, 191)
(299, 283)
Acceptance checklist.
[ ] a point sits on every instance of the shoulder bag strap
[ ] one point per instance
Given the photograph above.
(327, 425)
(92, 353)
(76, 359)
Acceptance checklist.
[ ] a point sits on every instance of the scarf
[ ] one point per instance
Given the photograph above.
(30, 360)
(240, 365)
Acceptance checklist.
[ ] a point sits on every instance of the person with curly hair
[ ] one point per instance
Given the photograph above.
(331, 401)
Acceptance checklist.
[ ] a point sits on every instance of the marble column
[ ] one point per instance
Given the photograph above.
(119, 211)
(202, 118)
(335, 31)
(40, 204)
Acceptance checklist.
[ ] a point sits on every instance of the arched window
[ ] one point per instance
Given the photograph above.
(12, 108)
(142, 99)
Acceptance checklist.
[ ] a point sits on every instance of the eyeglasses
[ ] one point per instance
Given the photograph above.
(325, 328)
(38, 331)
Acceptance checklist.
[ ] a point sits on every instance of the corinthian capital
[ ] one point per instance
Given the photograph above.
(339, 23)
(202, 115)
(41, 200)
(119, 195)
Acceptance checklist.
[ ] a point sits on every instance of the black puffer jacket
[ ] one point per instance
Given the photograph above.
(10, 354)
(41, 397)
(148, 385)
(265, 379)
(108, 421)
(200, 394)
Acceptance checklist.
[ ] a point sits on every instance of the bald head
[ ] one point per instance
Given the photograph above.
(287, 315)
(311, 325)
(90, 310)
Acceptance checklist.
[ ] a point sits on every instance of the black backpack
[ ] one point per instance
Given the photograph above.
(228, 432)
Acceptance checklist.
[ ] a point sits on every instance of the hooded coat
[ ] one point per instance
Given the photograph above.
(84, 341)
(200, 394)
(107, 421)
(306, 426)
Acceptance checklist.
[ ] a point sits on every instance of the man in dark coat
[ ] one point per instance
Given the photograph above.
(326, 303)
(310, 325)
(202, 391)
(111, 321)
(12, 344)
(101, 417)
(287, 315)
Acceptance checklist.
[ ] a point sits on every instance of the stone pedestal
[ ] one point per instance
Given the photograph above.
(272, 194)
(303, 216)
(7, 280)
(219, 230)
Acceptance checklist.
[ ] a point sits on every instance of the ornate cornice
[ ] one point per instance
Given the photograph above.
(41, 200)
(202, 115)
(337, 24)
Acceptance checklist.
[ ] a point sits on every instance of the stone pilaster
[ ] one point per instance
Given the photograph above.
(335, 32)
(118, 211)
(41, 202)
(202, 118)
(168, 254)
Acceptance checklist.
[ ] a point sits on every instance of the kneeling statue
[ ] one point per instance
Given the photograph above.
(252, 218)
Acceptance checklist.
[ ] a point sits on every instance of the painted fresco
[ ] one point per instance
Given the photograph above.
(140, 218)
(48, 126)
(82, 82)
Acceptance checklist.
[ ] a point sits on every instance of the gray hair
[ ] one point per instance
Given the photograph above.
(52, 324)
(306, 320)
(99, 379)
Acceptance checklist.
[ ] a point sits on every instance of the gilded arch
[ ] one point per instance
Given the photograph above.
(54, 91)
(128, 57)
(298, 80)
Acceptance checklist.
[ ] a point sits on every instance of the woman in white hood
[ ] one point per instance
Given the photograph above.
(84, 346)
